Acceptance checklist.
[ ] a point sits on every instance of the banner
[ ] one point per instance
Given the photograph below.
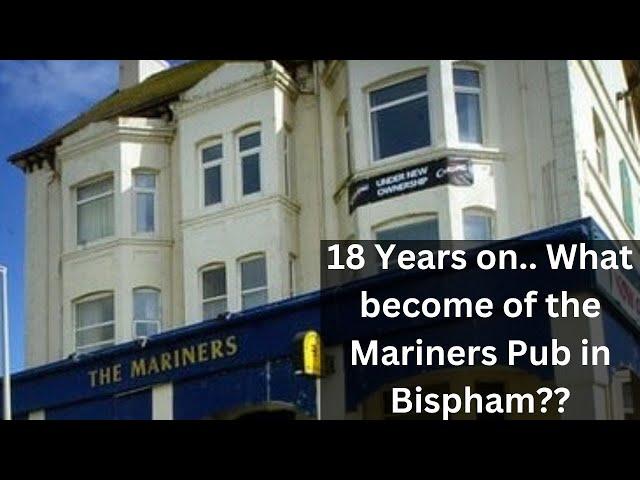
(443, 171)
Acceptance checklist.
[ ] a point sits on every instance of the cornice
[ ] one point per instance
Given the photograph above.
(273, 76)
(115, 134)
(239, 209)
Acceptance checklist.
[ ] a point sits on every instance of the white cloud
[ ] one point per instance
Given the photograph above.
(56, 88)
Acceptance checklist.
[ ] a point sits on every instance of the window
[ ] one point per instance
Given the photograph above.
(400, 118)
(214, 292)
(212, 167)
(95, 211)
(468, 92)
(422, 230)
(249, 151)
(95, 325)
(601, 147)
(288, 164)
(627, 203)
(253, 277)
(478, 225)
(147, 314)
(144, 187)
(629, 114)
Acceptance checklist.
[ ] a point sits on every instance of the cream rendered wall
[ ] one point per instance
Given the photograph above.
(595, 84)
(126, 260)
(36, 310)
(238, 97)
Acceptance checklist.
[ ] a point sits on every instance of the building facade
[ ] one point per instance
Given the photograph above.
(204, 189)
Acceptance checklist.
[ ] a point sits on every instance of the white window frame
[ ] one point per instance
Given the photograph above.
(210, 268)
(245, 153)
(250, 258)
(92, 346)
(470, 90)
(389, 82)
(602, 158)
(480, 212)
(154, 192)
(157, 322)
(399, 222)
(203, 167)
(629, 118)
(78, 203)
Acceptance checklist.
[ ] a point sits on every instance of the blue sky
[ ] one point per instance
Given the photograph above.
(36, 97)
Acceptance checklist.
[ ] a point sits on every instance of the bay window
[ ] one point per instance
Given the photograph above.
(426, 229)
(399, 116)
(95, 323)
(94, 208)
(468, 93)
(601, 147)
(214, 292)
(478, 225)
(147, 314)
(253, 282)
(144, 190)
(212, 174)
(249, 151)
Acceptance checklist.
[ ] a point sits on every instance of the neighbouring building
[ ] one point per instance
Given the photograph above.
(202, 189)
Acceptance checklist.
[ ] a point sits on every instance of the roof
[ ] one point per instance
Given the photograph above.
(144, 99)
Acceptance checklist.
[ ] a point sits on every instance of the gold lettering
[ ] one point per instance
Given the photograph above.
(92, 375)
(117, 372)
(104, 376)
(232, 345)
(202, 352)
(176, 358)
(165, 361)
(138, 368)
(188, 354)
(216, 349)
(153, 366)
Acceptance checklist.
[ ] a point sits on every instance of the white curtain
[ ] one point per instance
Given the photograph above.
(95, 219)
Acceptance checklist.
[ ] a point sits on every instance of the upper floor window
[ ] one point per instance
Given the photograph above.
(400, 118)
(253, 282)
(468, 92)
(95, 323)
(629, 114)
(421, 230)
(627, 200)
(147, 314)
(478, 225)
(601, 147)
(95, 211)
(214, 292)
(144, 188)
(212, 166)
(249, 149)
